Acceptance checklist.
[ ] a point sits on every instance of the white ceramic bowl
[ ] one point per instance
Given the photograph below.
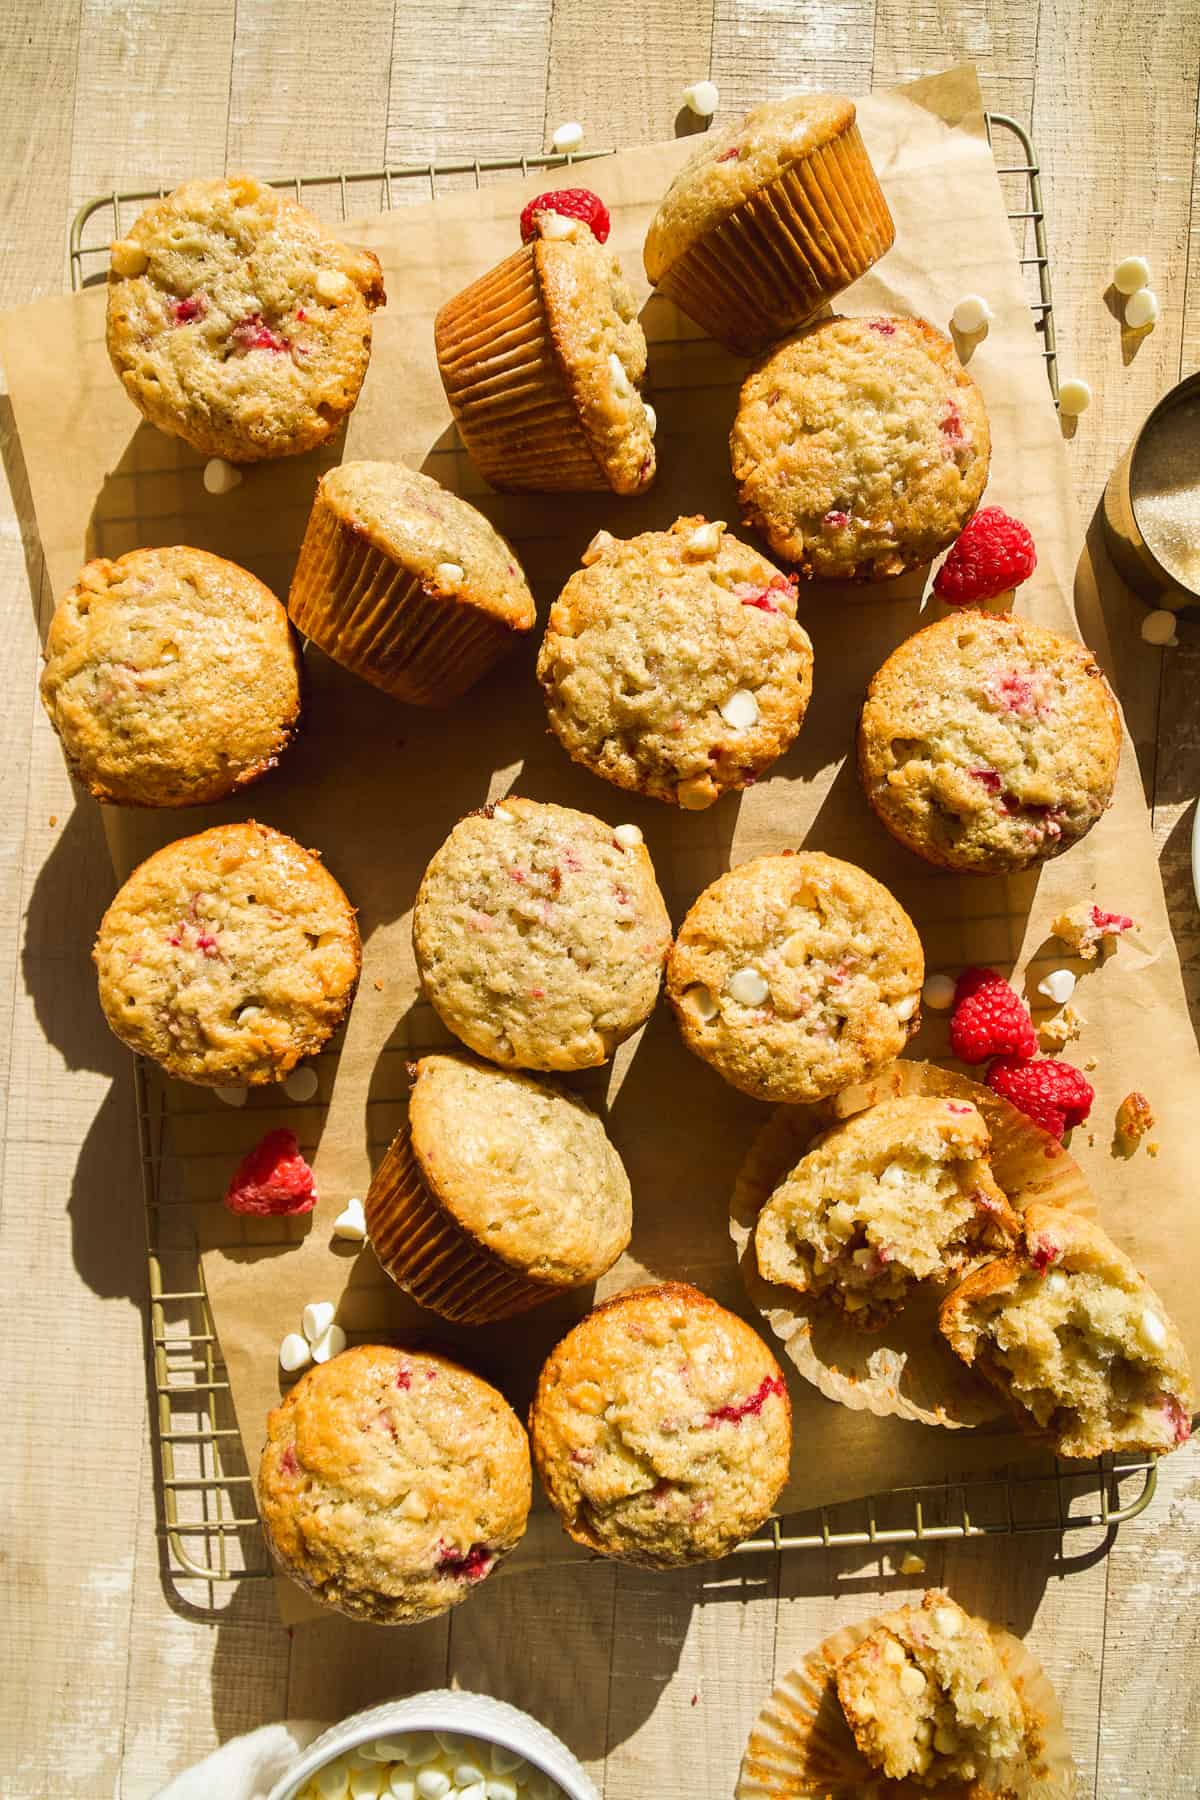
(445, 1709)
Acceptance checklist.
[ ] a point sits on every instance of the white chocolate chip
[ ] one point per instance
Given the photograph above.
(294, 1353)
(628, 836)
(421, 1747)
(220, 477)
(475, 1790)
(366, 1784)
(127, 258)
(317, 1318)
(912, 1564)
(301, 1084)
(747, 987)
(232, 1096)
(1153, 1329)
(905, 1008)
(449, 574)
(467, 1773)
(504, 1760)
(912, 1682)
(618, 377)
(539, 1786)
(1130, 274)
(651, 417)
(706, 539)
(332, 286)
(947, 1621)
(333, 1781)
(701, 1001)
(351, 1223)
(970, 315)
(502, 812)
(702, 98)
(938, 992)
(331, 1343)
(600, 545)
(414, 1506)
(1159, 628)
(1141, 309)
(740, 711)
(1074, 397)
(450, 1741)
(568, 136)
(432, 1784)
(501, 1787)
(1055, 1283)
(388, 1749)
(557, 227)
(402, 1785)
(892, 1653)
(1058, 986)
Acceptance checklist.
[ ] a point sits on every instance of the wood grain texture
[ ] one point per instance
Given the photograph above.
(919, 37)
(467, 81)
(621, 71)
(762, 48)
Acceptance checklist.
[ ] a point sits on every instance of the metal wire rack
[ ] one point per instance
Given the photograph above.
(207, 1522)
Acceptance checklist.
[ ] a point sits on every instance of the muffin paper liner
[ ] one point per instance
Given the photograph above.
(787, 250)
(509, 397)
(905, 1369)
(376, 619)
(431, 1257)
(801, 1748)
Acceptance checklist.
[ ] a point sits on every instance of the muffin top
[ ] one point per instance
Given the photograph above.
(733, 162)
(988, 743)
(661, 1428)
(540, 935)
(433, 534)
(796, 974)
(238, 322)
(228, 956)
(391, 1482)
(860, 447)
(171, 677)
(526, 1169)
(673, 664)
(592, 317)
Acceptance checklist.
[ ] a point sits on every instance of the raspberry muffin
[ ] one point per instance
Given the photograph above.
(171, 678)
(228, 957)
(794, 975)
(540, 935)
(238, 322)
(1075, 1339)
(899, 1194)
(673, 665)
(499, 1193)
(928, 1697)
(860, 447)
(988, 744)
(391, 1483)
(661, 1428)
(771, 218)
(406, 585)
(542, 360)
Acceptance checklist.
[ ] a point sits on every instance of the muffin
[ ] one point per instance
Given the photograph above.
(391, 1483)
(673, 665)
(406, 585)
(770, 219)
(1075, 1339)
(171, 678)
(860, 447)
(238, 322)
(498, 1194)
(794, 975)
(542, 359)
(661, 1428)
(540, 935)
(928, 1698)
(228, 957)
(988, 744)
(899, 1194)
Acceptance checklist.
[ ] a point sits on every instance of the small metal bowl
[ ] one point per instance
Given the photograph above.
(1132, 554)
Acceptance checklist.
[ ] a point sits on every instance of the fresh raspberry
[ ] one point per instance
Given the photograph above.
(466, 1565)
(764, 597)
(193, 307)
(750, 1407)
(253, 333)
(273, 1179)
(1051, 1092)
(989, 1018)
(993, 554)
(572, 203)
(1110, 924)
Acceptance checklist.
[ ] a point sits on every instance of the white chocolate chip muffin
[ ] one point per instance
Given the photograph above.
(391, 1483)
(673, 665)
(1075, 1339)
(405, 584)
(771, 218)
(227, 957)
(988, 744)
(540, 935)
(238, 322)
(899, 1194)
(860, 447)
(500, 1193)
(928, 1698)
(796, 974)
(542, 360)
(172, 678)
(661, 1428)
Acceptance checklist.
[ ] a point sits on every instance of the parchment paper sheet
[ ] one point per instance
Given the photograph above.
(376, 786)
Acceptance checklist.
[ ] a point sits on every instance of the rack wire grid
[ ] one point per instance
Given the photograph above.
(207, 1523)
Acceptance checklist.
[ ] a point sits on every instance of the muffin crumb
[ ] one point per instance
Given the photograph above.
(1134, 1119)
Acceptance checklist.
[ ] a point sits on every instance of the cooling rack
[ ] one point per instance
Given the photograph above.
(208, 1527)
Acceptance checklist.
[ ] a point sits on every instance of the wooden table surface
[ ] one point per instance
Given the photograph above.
(114, 1682)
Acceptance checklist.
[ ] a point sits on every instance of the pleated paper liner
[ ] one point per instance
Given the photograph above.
(376, 619)
(787, 250)
(906, 1369)
(506, 389)
(431, 1257)
(801, 1748)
